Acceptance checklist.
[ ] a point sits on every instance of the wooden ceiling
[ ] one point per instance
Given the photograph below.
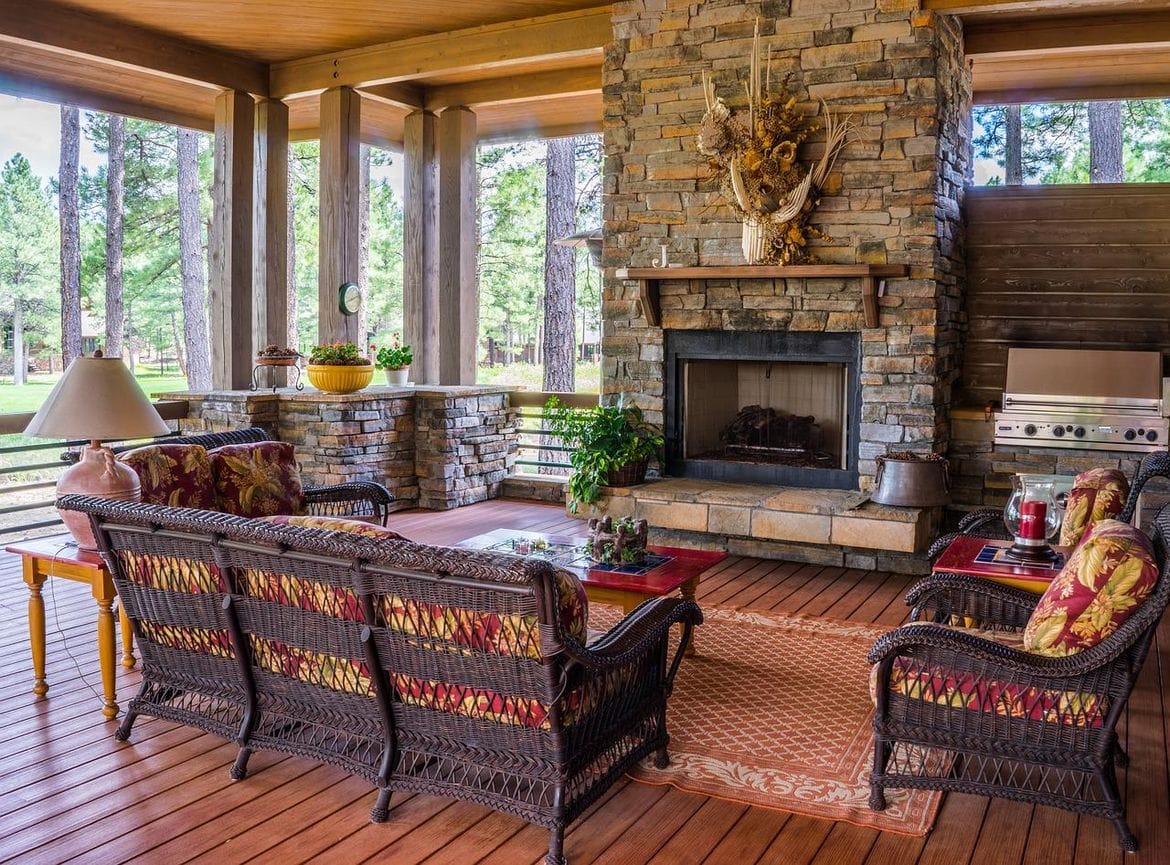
(527, 67)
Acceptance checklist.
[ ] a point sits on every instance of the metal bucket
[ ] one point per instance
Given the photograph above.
(914, 483)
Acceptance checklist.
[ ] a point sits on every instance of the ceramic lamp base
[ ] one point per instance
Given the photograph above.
(97, 473)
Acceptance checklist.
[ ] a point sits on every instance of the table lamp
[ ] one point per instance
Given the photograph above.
(97, 399)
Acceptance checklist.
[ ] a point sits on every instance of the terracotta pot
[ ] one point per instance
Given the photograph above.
(97, 473)
(277, 361)
(628, 475)
(398, 377)
(340, 379)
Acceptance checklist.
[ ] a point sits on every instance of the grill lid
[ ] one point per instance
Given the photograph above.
(1083, 377)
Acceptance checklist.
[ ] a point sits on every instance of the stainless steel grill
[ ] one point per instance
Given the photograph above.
(1079, 398)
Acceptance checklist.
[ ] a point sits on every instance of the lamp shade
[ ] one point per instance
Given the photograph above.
(590, 240)
(97, 398)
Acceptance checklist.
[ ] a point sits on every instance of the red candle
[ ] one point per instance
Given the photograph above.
(1033, 516)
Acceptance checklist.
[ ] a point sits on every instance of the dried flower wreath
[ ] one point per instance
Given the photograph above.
(759, 174)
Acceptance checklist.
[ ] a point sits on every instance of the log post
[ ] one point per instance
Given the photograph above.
(458, 290)
(230, 239)
(340, 193)
(270, 258)
(420, 259)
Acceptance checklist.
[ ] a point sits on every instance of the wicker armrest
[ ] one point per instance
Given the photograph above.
(988, 604)
(640, 632)
(972, 522)
(318, 499)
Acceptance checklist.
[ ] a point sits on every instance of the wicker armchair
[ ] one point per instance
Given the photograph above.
(988, 522)
(450, 672)
(365, 499)
(1025, 726)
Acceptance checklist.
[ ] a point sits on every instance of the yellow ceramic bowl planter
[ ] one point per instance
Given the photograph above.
(340, 379)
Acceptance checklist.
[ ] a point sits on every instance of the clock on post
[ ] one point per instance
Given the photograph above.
(349, 298)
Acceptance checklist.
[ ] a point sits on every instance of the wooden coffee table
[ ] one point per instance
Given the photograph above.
(975, 556)
(680, 573)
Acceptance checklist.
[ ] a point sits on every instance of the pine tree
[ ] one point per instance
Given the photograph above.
(115, 176)
(70, 216)
(191, 264)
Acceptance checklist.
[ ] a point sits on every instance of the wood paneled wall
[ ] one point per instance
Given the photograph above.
(1063, 267)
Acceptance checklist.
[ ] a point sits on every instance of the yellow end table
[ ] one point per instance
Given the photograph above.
(59, 556)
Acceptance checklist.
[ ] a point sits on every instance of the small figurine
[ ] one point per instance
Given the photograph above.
(617, 543)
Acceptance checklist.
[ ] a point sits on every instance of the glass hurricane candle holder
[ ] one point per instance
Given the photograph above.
(1032, 517)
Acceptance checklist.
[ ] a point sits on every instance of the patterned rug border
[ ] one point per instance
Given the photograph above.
(909, 812)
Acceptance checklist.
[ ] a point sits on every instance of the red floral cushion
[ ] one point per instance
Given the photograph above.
(317, 668)
(1104, 581)
(1097, 494)
(962, 689)
(257, 480)
(172, 573)
(175, 475)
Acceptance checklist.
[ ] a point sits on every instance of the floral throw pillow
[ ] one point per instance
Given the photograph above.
(1097, 494)
(175, 475)
(1105, 580)
(336, 524)
(257, 480)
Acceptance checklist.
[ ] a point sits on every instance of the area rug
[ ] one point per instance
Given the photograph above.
(775, 711)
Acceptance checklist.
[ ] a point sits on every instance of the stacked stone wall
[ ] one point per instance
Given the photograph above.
(894, 197)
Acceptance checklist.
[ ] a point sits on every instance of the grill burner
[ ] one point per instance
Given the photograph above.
(1090, 400)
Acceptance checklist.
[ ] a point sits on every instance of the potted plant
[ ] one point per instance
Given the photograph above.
(395, 360)
(339, 367)
(611, 446)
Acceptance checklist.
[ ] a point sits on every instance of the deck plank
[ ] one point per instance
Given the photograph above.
(71, 793)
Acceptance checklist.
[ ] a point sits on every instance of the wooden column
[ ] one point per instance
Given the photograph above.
(340, 193)
(420, 246)
(270, 256)
(230, 239)
(458, 291)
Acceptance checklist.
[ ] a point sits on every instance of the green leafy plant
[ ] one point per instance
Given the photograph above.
(604, 439)
(338, 354)
(394, 356)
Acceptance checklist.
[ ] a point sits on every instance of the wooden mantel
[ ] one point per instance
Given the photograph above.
(873, 280)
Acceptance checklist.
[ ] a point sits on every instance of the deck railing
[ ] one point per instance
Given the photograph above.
(29, 469)
(540, 451)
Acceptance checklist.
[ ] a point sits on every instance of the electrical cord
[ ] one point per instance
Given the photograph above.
(57, 621)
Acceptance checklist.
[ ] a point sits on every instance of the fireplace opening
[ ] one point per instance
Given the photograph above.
(771, 407)
(773, 413)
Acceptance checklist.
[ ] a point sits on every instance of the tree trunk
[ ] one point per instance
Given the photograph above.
(293, 335)
(115, 174)
(364, 246)
(1106, 160)
(191, 265)
(1013, 169)
(177, 338)
(129, 338)
(560, 285)
(70, 216)
(19, 362)
(557, 337)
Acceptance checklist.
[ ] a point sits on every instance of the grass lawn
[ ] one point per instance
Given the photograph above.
(531, 376)
(28, 397)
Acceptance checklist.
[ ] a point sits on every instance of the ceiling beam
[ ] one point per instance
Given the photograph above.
(1071, 93)
(515, 88)
(70, 32)
(995, 38)
(537, 130)
(33, 87)
(404, 96)
(965, 7)
(571, 34)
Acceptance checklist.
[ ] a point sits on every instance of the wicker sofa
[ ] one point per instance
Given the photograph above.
(365, 499)
(450, 672)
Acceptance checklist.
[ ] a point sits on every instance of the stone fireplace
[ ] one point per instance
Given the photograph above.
(893, 199)
(772, 407)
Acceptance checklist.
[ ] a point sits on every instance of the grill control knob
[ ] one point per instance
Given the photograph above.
(1152, 435)
(1130, 435)
(1058, 431)
(1079, 432)
(1030, 429)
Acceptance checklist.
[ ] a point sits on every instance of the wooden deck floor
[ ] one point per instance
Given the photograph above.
(69, 792)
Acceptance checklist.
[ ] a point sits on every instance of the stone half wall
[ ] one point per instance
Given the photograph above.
(894, 197)
(433, 447)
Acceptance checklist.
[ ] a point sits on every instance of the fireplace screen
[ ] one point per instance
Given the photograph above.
(766, 412)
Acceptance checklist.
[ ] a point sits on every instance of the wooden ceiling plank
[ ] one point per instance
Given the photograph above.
(80, 34)
(531, 133)
(42, 89)
(967, 7)
(489, 47)
(998, 39)
(515, 88)
(1075, 93)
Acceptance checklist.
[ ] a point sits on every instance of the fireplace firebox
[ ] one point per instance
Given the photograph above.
(763, 407)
